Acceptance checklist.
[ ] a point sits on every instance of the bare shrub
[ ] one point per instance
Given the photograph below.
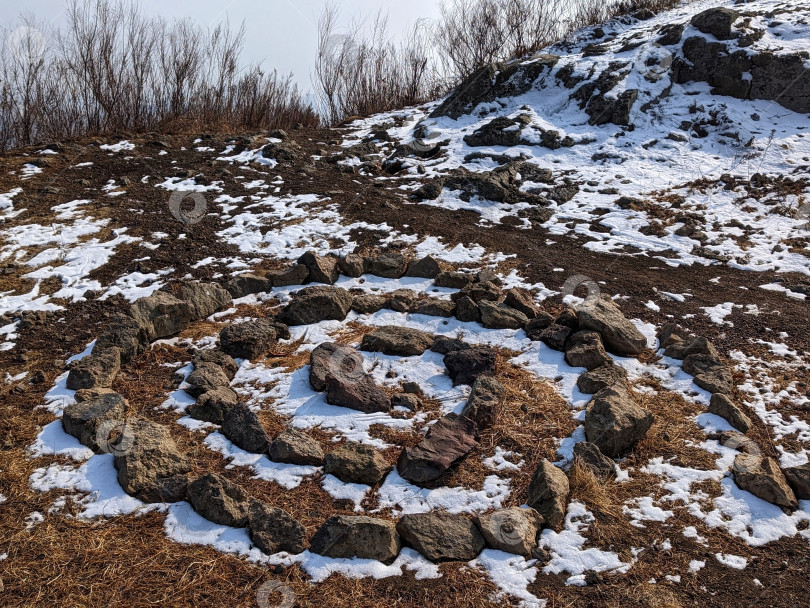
(112, 69)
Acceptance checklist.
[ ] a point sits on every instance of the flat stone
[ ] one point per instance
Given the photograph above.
(400, 341)
(315, 304)
(548, 493)
(361, 394)
(388, 265)
(357, 463)
(441, 537)
(447, 441)
(332, 358)
(436, 307)
(452, 279)
(513, 530)
(347, 536)
(249, 283)
(296, 447)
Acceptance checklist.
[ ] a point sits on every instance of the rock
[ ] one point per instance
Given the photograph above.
(242, 427)
(584, 349)
(619, 335)
(568, 318)
(82, 419)
(88, 394)
(799, 480)
(204, 299)
(296, 274)
(447, 441)
(403, 300)
(346, 536)
(554, 336)
(513, 530)
(464, 366)
(95, 370)
(534, 328)
(763, 478)
(738, 441)
(126, 334)
(588, 456)
(331, 358)
(484, 401)
(548, 493)
(406, 400)
(273, 530)
(605, 376)
(369, 304)
(316, 304)
(248, 340)
(501, 316)
(452, 279)
(161, 315)
(321, 269)
(400, 341)
(357, 393)
(245, 284)
(717, 22)
(722, 405)
(436, 307)
(165, 489)
(219, 500)
(478, 292)
(427, 267)
(445, 344)
(616, 110)
(614, 422)
(441, 536)
(709, 373)
(212, 405)
(672, 332)
(217, 357)
(520, 299)
(296, 447)
(357, 463)
(353, 265)
(145, 453)
(388, 265)
(206, 377)
(467, 310)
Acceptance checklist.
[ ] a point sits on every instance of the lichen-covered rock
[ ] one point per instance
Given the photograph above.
(248, 340)
(357, 463)
(548, 493)
(296, 447)
(394, 340)
(274, 530)
(346, 536)
(615, 422)
(97, 370)
(161, 315)
(441, 536)
(83, 418)
(203, 299)
(219, 500)
(315, 304)
(601, 377)
(243, 428)
(619, 335)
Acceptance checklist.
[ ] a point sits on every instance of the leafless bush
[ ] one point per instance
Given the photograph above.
(114, 70)
(361, 71)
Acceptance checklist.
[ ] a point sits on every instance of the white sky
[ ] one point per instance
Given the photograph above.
(279, 33)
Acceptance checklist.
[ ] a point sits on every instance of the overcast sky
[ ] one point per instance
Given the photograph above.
(279, 33)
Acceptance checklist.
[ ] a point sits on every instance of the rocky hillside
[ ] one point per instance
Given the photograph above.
(543, 342)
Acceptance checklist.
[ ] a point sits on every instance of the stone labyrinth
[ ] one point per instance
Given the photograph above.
(453, 342)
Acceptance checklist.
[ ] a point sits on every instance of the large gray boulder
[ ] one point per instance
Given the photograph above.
(204, 299)
(82, 419)
(441, 536)
(144, 454)
(345, 536)
(296, 447)
(615, 422)
(161, 315)
(513, 530)
(274, 530)
(400, 341)
(446, 442)
(619, 335)
(357, 463)
(316, 304)
(96, 370)
(762, 477)
(548, 493)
